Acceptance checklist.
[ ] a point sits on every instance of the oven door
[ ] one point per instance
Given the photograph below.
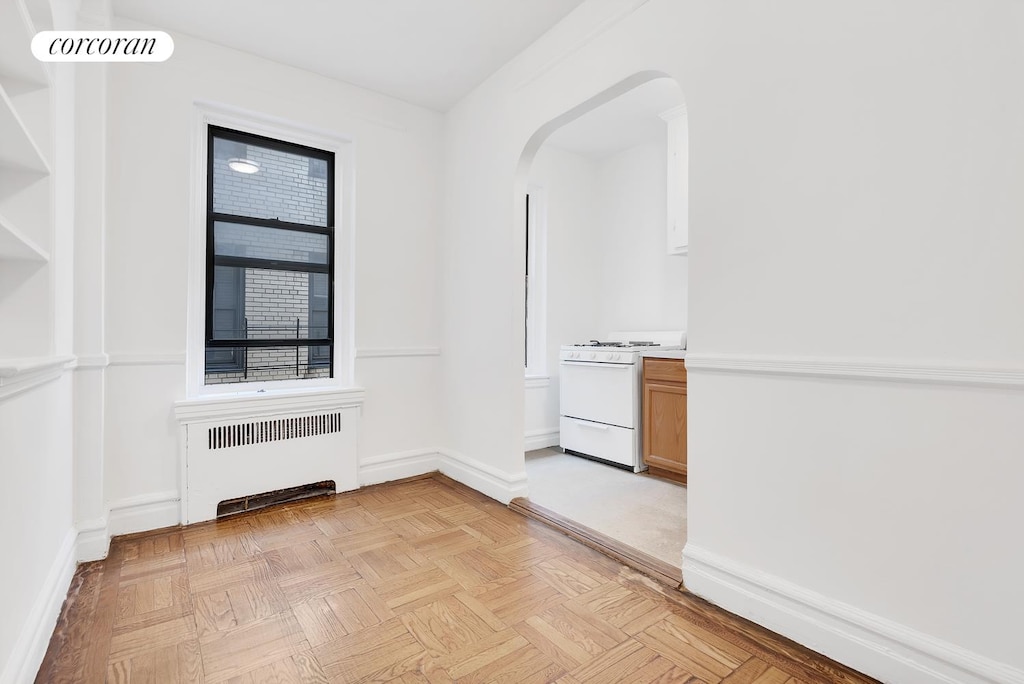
(601, 392)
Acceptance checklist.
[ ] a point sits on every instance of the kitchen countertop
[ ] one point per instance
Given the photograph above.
(664, 354)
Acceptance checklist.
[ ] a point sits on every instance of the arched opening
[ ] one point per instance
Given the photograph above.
(601, 210)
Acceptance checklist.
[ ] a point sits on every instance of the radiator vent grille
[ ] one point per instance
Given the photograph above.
(259, 431)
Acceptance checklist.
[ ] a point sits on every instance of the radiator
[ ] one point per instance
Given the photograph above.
(230, 458)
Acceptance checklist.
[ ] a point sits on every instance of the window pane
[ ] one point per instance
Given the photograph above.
(279, 185)
(257, 242)
(318, 319)
(223, 360)
(228, 304)
(268, 304)
(260, 364)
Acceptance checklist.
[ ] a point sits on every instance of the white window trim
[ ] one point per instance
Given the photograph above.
(209, 113)
(537, 310)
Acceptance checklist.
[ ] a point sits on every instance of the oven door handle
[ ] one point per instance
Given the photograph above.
(596, 364)
(592, 426)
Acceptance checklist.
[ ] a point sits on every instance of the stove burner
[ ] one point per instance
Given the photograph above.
(598, 343)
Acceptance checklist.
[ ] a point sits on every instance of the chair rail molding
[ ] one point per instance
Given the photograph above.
(395, 352)
(898, 370)
(20, 375)
(147, 359)
(92, 361)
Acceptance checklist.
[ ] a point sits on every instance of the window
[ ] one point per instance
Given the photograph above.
(269, 259)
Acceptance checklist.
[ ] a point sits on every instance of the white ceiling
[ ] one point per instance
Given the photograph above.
(428, 52)
(628, 120)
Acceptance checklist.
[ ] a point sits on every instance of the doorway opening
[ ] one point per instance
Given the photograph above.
(605, 230)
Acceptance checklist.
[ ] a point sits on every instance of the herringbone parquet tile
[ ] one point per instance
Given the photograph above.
(416, 581)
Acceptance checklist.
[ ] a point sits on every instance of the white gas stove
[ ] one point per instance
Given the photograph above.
(599, 395)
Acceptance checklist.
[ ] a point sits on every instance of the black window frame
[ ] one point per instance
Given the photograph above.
(213, 259)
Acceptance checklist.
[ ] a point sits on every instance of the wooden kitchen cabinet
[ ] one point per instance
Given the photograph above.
(664, 417)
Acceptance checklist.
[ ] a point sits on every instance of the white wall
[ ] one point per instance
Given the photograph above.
(397, 205)
(642, 286)
(855, 175)
(574, 257)
(35, 449)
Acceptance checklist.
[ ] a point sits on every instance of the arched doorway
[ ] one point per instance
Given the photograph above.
(597, 192)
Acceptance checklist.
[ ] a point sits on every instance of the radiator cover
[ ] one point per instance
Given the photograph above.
(242, 448)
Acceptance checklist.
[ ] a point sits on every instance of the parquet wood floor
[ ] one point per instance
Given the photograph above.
(423, 580)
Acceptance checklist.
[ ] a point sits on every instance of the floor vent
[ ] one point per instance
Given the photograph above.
(257, 432)
(254, 501)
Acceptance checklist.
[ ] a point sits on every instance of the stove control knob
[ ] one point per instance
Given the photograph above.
(616, 357)
(593, 355)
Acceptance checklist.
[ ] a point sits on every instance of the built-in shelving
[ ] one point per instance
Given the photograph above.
(31, 104)
(20, 150)
(26, 206)
(14, 244)
(16, 32)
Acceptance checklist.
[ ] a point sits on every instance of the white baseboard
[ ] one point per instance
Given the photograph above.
(93, 541)
(143, 513)
(388, 467)
(866, 642)
(485, 479)
(540, 439)
(35, 634)
(134, 514)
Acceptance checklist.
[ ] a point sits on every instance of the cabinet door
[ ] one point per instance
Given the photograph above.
(665, 426)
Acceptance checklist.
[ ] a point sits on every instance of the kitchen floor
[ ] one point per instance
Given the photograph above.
(646, 513)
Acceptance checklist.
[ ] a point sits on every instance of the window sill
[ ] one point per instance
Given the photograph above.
(537, 381)
(266, 403)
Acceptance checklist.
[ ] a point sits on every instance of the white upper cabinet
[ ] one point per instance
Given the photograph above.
(678, 234)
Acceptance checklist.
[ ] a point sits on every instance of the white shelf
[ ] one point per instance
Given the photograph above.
(31, 104)
(15, 246)
(19, 150)
(16, 32)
